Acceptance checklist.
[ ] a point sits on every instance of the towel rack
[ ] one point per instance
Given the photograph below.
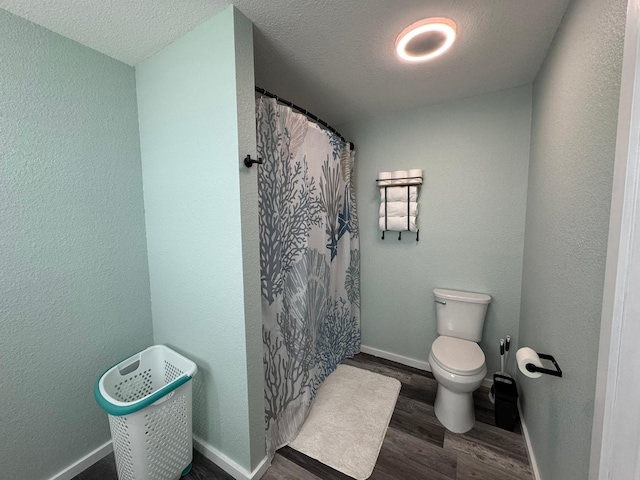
(400, 235)
(399, 182)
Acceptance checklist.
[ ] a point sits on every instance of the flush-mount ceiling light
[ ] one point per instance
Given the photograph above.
(426, 39)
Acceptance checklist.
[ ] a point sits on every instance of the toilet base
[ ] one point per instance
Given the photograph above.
(455, 410)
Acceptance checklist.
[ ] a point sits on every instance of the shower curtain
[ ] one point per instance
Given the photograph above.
(309, 262)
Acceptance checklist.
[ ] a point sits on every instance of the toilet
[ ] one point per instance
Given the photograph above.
(456, 360)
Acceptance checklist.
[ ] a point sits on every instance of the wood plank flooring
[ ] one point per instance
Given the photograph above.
(416, 446)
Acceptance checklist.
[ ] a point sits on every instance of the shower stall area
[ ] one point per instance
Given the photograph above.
(309, 261)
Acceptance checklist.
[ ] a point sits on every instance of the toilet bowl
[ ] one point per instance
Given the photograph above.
(459, 367)
(457, 361)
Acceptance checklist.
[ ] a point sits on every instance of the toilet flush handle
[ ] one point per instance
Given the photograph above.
(441, 302)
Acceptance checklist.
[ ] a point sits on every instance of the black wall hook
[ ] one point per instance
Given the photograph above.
(248, 161)
(400, 234)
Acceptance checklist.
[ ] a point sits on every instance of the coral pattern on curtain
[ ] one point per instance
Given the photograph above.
(309, 262)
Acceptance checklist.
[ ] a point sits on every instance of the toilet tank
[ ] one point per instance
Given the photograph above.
(461, 314)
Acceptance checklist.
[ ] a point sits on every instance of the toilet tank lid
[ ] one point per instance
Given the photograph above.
(461, 296)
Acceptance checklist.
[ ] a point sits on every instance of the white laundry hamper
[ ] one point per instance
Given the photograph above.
(148, 399)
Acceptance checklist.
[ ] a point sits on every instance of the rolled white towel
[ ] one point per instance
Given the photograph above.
(399, 209)
(398, 224)
(399, 176)
(399, 194)
(415, 173)
(385, 183)
(415, 176)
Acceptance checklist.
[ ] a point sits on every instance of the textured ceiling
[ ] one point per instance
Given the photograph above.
(333, 57)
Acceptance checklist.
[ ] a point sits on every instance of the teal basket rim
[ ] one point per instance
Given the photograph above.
(133, 407)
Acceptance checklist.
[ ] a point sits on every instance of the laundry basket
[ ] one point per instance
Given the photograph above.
(148, 399)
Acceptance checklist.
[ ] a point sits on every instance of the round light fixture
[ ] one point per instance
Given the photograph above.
(426, 39)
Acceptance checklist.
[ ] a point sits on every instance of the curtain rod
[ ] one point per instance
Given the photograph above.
(310, 115)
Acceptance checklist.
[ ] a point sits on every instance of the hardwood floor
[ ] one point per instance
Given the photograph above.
(203, 469)
(416, 446)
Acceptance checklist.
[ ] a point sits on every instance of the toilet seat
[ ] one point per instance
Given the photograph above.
(458, 356)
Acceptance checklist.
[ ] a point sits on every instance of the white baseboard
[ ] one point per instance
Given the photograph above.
(410, 362)
(527, 441)
(220, 459)
(232, 468)
(394, 357)
(84, 463)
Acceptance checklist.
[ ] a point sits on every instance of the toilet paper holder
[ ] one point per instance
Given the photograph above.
(533, 368)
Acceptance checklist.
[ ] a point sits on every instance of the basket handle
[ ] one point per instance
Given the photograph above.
(127, 369)
(133, 407)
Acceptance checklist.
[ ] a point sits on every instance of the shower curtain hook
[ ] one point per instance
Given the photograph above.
(248, 161)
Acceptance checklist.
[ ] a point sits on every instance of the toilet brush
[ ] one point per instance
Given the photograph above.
(507, 344)
(492, 390)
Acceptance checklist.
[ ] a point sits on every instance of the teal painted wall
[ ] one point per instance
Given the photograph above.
(74, 276)
(474, 154)
(245, 94)
(193, 98)
(575, 106)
